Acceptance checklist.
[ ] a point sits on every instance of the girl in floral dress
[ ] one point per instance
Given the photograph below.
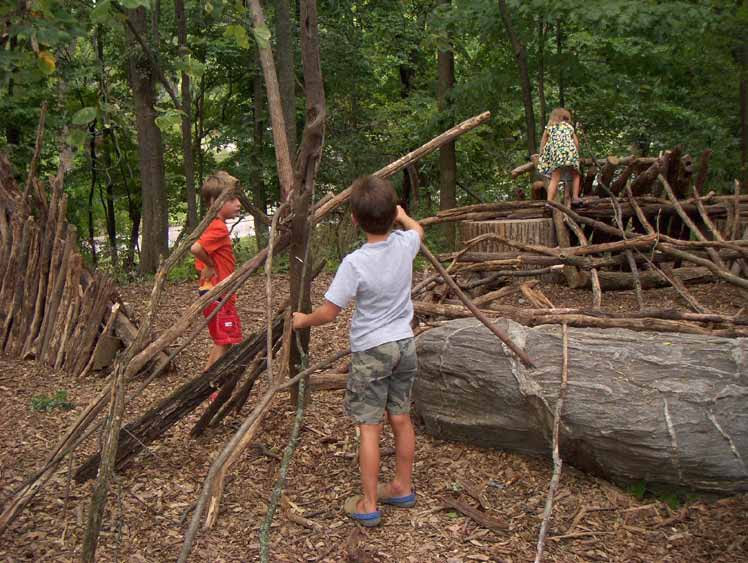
(559, 154)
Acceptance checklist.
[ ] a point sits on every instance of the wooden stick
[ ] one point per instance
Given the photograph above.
(687, 220)
(280, 483)
(214, 480)
(409, 158)
(521, 354)
(557, 461)
(581, 319)
(480, 518)
(35, 159)
(597, 292)
(667, 275)
(107, 330)
(106, 468)
(11, 326)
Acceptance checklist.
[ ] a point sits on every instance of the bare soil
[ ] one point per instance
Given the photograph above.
(151, 501)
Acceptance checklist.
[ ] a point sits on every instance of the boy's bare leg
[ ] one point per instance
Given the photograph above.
(368, 459)
(216, 352)
(405, 447)
(553, 184)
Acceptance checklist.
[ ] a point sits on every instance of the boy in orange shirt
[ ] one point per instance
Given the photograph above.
(214, 259)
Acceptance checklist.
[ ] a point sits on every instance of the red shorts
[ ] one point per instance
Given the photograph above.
(225, 327)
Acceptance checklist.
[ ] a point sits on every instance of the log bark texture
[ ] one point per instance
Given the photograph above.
(666, 408)
(531, 231)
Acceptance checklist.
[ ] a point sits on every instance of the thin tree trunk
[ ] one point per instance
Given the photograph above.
(286, 69)
(150, 151)
(282, 154)
(199, 134)
(259, 192)
(307, 165)
(524, 76)
(447, 154)
(542, 30)
(559, 46)
(91, 191)
(743, 68)
(187, 154)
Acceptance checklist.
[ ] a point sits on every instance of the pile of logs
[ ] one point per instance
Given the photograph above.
(608, 243)
(51, 307)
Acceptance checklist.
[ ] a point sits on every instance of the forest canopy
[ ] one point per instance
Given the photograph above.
(153, 96)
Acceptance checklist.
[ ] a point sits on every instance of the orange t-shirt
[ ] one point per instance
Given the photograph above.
(216, 241)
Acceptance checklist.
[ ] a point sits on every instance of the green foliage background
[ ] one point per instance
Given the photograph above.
(646, 73)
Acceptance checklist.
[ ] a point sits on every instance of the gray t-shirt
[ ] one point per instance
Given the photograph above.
(379, 276)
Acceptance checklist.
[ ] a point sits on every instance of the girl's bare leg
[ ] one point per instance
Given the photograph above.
(577, 186)
(553, 184)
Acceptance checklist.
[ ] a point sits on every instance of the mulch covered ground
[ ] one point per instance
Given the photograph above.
(151, 501)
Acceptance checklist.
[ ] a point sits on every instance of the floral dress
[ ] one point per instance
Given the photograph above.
(559, 150)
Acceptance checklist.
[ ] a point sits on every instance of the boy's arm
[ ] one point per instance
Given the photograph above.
(407, 222)
(209, 271)
(321, 315)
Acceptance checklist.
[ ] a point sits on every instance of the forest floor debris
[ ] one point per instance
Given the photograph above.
(151, 501)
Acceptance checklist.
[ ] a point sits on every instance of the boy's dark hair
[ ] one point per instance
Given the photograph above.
(373, 204)
(214, 185)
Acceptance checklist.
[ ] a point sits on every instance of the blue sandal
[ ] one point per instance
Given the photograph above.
(405, 501)
(368, 519)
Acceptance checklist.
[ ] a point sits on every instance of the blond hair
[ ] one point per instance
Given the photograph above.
(214, 185)
(558, 115)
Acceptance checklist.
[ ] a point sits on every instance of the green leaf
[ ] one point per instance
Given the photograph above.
(169, 119)
(262, 36)
(76, 137)
(84, 116)
(134, 4)
(46, 62)
(239, 34)
(101, 12)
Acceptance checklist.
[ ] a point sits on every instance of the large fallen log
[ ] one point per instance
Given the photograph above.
(665, 408)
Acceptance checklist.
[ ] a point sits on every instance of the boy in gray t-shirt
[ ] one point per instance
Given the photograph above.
(383, 362)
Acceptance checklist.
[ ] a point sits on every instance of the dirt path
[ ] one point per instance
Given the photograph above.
(151, 500)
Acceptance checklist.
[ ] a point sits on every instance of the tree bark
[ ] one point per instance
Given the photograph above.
(150, 151)
(542, 31)
(674, 425)
(447, 153)
(187, 153)
(91, 191)
(277, 120)
(559, 56)
(743, 69)
(259, 192)
(520, 54)
(284, 50)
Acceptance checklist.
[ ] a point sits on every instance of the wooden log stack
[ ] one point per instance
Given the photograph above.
(51, 307)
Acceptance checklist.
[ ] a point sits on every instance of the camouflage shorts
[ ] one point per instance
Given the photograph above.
(381, 378)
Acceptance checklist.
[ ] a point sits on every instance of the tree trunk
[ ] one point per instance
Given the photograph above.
(559, 46)
(199, 135)
(306, 171)
(743, 69)
(91, 191)
(150, 151)
(447, 154)
(259, 192)
(284, 51)
(277, 120)
(634, 409)
(542, 30)
(187, 154)
(524, 77)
